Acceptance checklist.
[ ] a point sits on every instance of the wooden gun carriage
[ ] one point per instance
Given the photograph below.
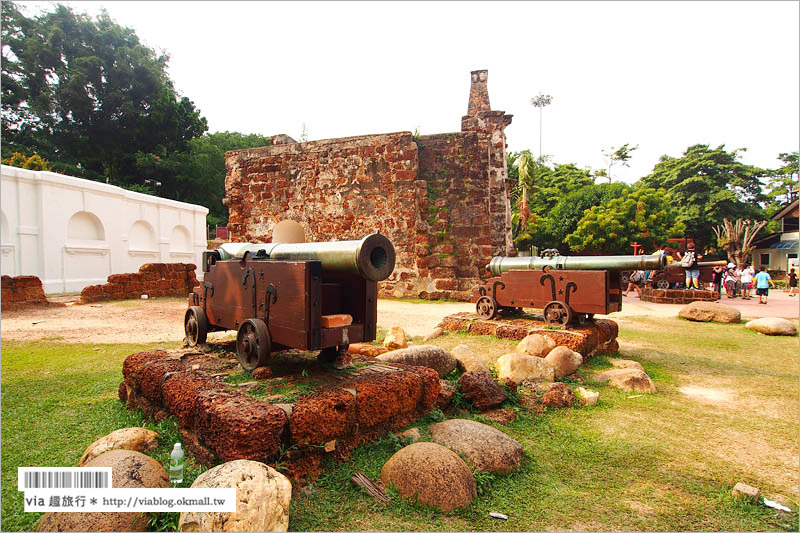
(308, 296)
(565, 288)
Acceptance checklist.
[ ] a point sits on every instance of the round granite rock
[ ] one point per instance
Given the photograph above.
(129, 469)
(487, 448)
(431, 473)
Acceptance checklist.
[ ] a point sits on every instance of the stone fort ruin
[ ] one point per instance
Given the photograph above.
(443, 199)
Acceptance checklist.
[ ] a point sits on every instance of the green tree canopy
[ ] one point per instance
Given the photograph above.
(644, 215)
(196, 175)
(707, 185)
(86, 94)
(781, 181)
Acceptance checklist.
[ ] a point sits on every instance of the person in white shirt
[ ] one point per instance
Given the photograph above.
(746, 279)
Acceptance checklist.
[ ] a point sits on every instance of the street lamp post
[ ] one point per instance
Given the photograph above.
(541, 101)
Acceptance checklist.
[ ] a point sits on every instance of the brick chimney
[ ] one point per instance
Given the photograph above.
(478, 93)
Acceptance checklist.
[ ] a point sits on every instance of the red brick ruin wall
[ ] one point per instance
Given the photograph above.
(153, 279)
(443, 200)
(21, 291)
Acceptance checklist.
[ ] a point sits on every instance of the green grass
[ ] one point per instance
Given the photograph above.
(56, 400)
(665, 461)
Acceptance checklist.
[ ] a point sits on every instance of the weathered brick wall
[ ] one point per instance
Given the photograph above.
(443, 200)
(153, 279)
(21, 291)
(338, 189)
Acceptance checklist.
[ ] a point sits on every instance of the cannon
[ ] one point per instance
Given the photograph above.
(564, 287)
(307, 296)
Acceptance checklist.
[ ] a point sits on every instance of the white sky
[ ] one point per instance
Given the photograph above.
(663, 75)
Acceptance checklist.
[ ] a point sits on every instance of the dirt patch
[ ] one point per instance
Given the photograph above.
(705, 394)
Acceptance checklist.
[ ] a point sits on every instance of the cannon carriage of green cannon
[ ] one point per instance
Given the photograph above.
(307, 296)
(566, 288)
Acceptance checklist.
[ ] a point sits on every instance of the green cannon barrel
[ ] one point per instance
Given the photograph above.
(499, 265)
(371, 257)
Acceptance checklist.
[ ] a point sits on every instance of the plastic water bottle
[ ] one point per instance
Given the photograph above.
(176, 464)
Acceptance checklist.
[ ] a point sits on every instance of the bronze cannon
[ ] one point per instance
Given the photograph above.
(564, 287)
(308, 296)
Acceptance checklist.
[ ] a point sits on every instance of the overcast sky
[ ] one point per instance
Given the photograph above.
(663, 75)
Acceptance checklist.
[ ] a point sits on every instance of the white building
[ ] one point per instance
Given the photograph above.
(72, 232)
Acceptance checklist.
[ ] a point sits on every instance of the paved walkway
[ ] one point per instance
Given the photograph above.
(780, 304)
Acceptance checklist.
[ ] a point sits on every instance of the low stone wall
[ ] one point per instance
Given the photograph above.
(598, 337)
(153, 279)
(22, 291)
(219, 422)
(678, 296)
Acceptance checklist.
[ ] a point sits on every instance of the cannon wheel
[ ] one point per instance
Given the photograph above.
(253, 344)
(662, 284)
(557, 314)
(486, 307)
(195, 324)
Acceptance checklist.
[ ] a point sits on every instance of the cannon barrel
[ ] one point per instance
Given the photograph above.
(499, 265)
(677, 264)
(371, 257)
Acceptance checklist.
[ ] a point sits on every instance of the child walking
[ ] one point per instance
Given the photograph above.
(763, 281)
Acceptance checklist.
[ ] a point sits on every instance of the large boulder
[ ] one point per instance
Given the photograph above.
(710, 312)
(536, 345)
(466, 359)
(395, 339)
(627, 379)
(487, 448)
(137, 439)
(518, 367)
(480, 388)
(433, 474)
(129, 470)
(772, 326)
(263, 496)
(425, 355)
(564, 361)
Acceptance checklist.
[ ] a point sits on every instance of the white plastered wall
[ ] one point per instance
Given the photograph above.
(72, 232)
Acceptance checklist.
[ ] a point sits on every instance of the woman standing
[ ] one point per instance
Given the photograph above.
(716, 277)
(792, 283)
(746, 279)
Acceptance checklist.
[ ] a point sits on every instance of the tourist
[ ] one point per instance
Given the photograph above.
(792, 282)
(746, 280)
(689, 259)
(716, 277)
(730, 281)
(763, 281)
(634, 283)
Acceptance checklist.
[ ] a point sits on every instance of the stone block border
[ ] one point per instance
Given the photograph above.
(677, 296)
(599, 337)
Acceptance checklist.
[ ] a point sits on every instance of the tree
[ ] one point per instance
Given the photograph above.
(644, 215)
(706, 186)
(88, 95)
(737, 238)
(616, 156)
(781, 181)
(196, 175)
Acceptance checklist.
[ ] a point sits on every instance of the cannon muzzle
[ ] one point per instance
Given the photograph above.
(499, 265)
(372, 257)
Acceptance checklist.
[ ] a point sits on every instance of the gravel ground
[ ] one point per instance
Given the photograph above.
(161, 319)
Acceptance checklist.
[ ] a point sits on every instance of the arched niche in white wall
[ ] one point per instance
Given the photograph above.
(86, 258)
(5, 234)
(180, 245)
(8, 260)
(142, 238)
(85, 226)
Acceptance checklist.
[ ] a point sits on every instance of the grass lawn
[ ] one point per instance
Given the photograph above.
(726, 411)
